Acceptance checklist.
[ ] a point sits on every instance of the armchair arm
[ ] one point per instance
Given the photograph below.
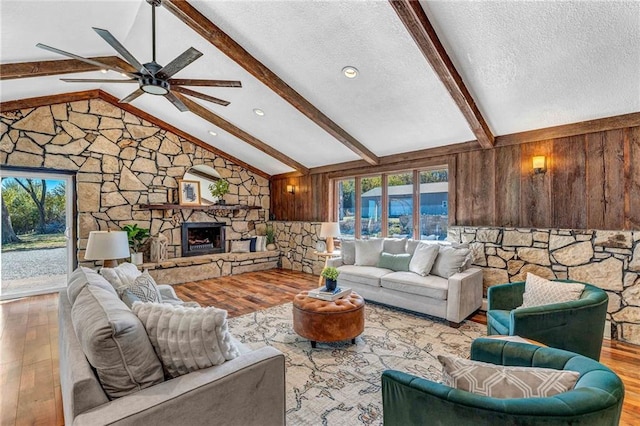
(217, 394)
(505, 296)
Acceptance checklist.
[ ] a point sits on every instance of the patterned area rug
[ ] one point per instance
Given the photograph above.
(339, 383)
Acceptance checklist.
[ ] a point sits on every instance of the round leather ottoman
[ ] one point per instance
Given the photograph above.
(323, 321)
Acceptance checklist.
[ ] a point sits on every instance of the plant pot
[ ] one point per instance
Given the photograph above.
(271, 246)
(137, 258)
(330, 284)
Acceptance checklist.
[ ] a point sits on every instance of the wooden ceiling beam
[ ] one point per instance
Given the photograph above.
(417, 23)
(218, 38)
(231, 128)
(48, 100)
(62, 66)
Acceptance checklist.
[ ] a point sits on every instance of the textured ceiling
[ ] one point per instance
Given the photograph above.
(528, 65)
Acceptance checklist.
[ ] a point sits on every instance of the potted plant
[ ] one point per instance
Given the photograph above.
(218, 190)
(137, 237)
(330, 275)
(271, 238)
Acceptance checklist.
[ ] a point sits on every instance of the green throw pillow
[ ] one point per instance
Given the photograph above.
(395, 262)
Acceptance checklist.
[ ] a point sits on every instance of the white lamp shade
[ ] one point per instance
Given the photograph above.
(329, 229)
(106, 245)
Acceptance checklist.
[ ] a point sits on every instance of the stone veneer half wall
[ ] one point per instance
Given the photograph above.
(607, 259)
(121, 162)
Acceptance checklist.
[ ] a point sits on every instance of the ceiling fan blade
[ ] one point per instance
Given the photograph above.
(131, 96)
(210, 83)
(88, 61)
(187, 57)
(199, 95)
(96, 80)
(113, 42)
(177, 102)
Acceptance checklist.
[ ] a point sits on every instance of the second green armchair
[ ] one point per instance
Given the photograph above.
(575, 326)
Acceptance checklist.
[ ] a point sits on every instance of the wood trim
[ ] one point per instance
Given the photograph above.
(452, 196)
(573, 129)
(107, 97)
(415, 212)
(417, 23)
(48, 100)
(218, 38)
(218, 121)
(384, 205)
(62, 66)
(358, 212)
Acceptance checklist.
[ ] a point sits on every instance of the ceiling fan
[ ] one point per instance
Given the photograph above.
(151, 77)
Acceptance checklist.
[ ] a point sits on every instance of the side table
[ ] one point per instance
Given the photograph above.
(327, 256)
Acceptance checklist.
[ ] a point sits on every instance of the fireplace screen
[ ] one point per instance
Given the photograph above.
(202, 238)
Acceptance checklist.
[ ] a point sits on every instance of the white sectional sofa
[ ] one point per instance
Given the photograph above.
(449, 289)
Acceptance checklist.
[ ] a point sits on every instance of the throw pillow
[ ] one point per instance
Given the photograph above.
(122, 275)
(187, 339)
(82, 277)
(450, 261)
(240, 246)
(368, 252)
(261, 243)
(114, 342)
(252, 243)
(348, 250)
(394, 245)
(423, 258)
(143, 289)
(539, 291)
(499, 381)
(395, 262)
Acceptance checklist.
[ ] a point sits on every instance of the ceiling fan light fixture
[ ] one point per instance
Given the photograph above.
(350, 72)
(258, 111)
(153, 85)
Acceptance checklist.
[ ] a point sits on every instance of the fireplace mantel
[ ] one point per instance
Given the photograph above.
(222, 207)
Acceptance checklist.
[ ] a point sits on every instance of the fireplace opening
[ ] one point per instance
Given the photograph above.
(200, 238)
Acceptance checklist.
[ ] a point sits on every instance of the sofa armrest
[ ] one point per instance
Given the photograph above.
(335, 262)
(464, 295)
(169, 294)
(505, 296)
(248, 390)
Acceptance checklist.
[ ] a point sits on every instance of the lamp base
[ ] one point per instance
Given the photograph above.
(110, 263)
(330, 246)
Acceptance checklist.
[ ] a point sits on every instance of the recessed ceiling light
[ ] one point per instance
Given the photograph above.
(350, 72)
(123, 74)
(212, 133)
(103, 71)
(258, 111)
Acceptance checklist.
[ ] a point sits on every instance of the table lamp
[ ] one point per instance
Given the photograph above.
(329, 230)
(107, 246)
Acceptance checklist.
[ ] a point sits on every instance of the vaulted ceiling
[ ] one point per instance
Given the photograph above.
(431, 74)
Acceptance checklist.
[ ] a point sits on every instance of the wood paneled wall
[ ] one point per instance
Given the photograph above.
(592, 182)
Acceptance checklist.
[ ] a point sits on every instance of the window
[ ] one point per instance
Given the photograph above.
(392, 205)
(347, 207)
(371, 207)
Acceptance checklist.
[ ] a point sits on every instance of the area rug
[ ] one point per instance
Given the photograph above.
(339, 383)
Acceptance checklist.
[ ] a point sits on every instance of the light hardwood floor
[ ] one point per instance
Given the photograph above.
(29, 380)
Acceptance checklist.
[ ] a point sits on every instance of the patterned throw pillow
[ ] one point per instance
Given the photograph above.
(539, 291)
(498, 381)
(240, 246)
(143, 289)
(187, 339)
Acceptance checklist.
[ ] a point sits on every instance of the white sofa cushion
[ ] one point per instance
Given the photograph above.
(450, 261)
(187, 339)
(394, 245)
(122, 275)
(408, 282)
(348, 249)
(82, 277)
(423, 258)
(368, 252)
(369, 275)
(115, 342)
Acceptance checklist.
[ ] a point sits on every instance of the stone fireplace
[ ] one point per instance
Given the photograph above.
(200, 238)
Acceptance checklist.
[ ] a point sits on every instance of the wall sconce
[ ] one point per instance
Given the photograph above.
(291, 189)
(539, 163)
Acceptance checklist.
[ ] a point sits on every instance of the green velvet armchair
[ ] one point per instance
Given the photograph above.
(575, 326)
(595, 400)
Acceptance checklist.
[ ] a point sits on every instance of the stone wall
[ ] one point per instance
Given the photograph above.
(297, 243)
(607, 259)
(122, 161)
